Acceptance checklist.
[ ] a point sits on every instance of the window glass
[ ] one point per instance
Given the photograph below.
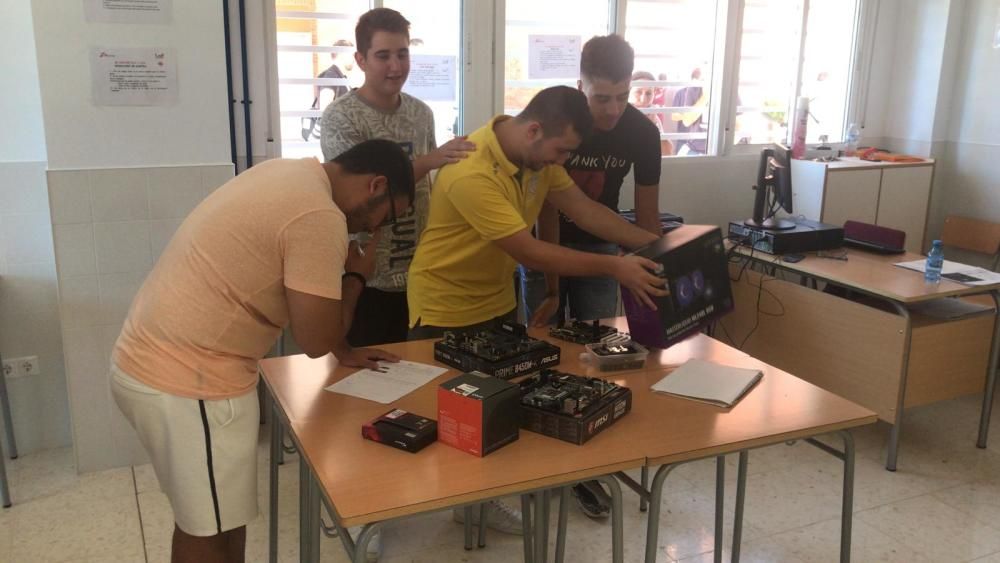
(674, 45)
(315, 45)
(530, 20)
(772, 47)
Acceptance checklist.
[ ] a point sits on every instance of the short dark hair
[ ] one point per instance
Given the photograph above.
(609, 57)
(556, 107)
(382, 158)
(379, 19)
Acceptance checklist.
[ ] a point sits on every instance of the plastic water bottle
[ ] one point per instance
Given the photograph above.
(935, 259)
(852, 140)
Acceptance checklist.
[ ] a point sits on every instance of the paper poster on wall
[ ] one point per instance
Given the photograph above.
(128, 11)
(133, 76)
(432, 78)
(553, 56)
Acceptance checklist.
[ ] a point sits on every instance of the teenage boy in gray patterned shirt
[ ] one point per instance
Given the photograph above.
(380, 110)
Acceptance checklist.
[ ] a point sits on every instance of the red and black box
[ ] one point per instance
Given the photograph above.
(477, 413)
(401, 429)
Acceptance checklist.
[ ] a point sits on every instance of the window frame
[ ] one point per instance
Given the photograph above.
(481, 70)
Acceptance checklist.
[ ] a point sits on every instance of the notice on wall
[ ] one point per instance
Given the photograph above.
(553, 56)
(128, 11)
(133, 77)
(432, 78)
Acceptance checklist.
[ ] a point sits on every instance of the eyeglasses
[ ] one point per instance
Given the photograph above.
(391, 218)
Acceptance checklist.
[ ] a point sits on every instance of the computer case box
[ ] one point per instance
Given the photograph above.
(595, 419)
(696, 269)
(400, 429)
(524, 355)
(478, 414)
(807, 236)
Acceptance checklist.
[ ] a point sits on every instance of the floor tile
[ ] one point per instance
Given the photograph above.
(934, 529)
(61, 527)
(981, 500)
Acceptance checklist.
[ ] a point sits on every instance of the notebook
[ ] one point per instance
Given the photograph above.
(709, 382)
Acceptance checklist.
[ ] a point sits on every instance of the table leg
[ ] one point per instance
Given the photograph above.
(526, 531)
(4, 487)
(644, 480)
(361, 546)
(541, 525)
(653, 520)
(561, 528)
(468, 526)
(991, 376)
(847, 506)
(741, 493)
(720, 501)
(897, 425)
(308, 514)
(8, 422)
(272, 507)
(482, 525)
(617, 519)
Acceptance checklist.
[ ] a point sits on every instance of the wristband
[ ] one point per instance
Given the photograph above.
(359, 277)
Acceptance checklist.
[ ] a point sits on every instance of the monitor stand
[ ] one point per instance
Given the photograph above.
(771, 224)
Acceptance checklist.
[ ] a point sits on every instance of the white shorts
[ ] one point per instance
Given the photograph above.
(204, 453)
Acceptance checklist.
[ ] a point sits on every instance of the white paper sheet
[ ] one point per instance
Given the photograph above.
(128, 11)
(390, 383)
(958, 272)
(133, 76)
(432, 78)
(553, 56)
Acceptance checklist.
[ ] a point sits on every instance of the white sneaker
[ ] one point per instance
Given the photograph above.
(500, 516)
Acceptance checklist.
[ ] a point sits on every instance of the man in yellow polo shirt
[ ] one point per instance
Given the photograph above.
(482, 210)
(479, 227)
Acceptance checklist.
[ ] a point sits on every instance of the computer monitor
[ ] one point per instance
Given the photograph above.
(774, 177)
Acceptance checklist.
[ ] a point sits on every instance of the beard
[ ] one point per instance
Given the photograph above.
(359, 219)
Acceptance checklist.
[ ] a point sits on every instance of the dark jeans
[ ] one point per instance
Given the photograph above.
(423, 332)
(381, 317)
(587, 298)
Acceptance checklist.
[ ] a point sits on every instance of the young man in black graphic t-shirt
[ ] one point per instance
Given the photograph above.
(623, 139)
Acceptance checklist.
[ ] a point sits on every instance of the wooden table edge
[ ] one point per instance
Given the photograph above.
(485, 494)
(766, 441)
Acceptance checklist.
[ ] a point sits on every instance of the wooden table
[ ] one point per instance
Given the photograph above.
(873, 349)
(363, 483)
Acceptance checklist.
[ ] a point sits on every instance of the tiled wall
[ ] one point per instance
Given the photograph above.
(109, 227)
(29, 308)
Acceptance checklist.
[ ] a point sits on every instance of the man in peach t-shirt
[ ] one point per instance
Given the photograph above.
(268, 249)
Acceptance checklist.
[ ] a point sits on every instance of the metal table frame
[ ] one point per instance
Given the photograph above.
(902, 311)
(654, 496)
(535, 538)
(8, 425)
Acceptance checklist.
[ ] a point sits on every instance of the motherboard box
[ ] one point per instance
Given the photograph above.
(477, 413)
(505, 351)
(570, 407)
(694, 264)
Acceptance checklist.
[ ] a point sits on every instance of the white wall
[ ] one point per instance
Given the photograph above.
(970, 176)
(29, 312)
(82, 135)
(120, 179)
(21, 137)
